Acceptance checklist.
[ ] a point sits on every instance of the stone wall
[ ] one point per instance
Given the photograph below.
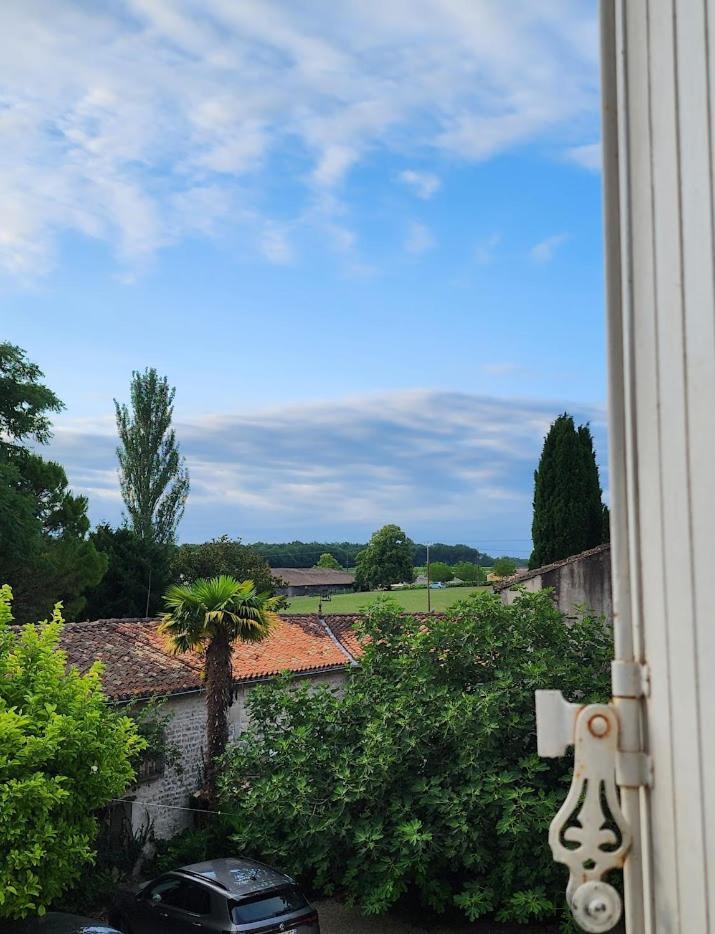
(187, 730)
(583, 581)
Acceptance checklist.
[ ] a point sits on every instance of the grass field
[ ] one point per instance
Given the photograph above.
(414, 601)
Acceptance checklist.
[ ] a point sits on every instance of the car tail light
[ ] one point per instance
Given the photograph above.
(308, 919)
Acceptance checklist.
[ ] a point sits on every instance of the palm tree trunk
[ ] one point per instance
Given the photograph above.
(218, 697)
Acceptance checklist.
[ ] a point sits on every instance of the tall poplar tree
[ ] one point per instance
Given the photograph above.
(568, 512)
(152, 474)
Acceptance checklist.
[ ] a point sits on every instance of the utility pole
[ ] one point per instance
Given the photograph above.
(429, 608)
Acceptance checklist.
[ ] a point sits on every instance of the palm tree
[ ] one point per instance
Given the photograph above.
(212, 614)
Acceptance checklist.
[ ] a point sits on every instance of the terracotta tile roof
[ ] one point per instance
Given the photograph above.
(139, 663)
(300, 643)
(522, 576)
(343, 627)
(136, 663)
(313, 577)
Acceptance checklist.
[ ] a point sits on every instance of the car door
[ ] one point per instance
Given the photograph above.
(151, 911)
(188, 909)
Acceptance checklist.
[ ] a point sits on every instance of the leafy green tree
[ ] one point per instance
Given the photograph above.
(138, 573)
(64, 753)
(386, 560)
(504, 567)
(152, 475)
(439, 571)
(470, 573)
(422, 775)
(568, 512)
(44, 551)
(25, 403)
(212, 615)
(326, 560)
(450, 554)
(219, 556)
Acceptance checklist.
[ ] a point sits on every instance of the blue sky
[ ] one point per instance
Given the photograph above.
(363, 241)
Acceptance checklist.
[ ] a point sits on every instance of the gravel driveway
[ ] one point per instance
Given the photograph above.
(335, 918)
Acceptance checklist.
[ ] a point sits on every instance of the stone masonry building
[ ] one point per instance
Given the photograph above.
(139, 665)
(582, 580)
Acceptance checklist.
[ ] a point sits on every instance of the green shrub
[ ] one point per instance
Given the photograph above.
(191, 846)
(423, 776)
(64, 753)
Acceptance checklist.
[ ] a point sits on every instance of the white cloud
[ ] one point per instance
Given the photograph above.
(484, 250)
(419, 239)
(454, 465)
(423, 184)
(588, 156)
(276, 246)
(544, 251)
(111, 115)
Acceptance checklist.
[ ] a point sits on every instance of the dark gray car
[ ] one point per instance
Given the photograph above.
(219, 896)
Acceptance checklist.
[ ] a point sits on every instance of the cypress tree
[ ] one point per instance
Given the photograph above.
(568, 512)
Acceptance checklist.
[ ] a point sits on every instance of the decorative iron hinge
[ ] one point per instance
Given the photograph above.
(589, 834)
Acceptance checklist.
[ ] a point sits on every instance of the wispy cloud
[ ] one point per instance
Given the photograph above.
(484, 250)
(588, 156)
(449, 465)
(419, 239)
(276, 246)
(116, 118)
(423, 184)
(544, 251)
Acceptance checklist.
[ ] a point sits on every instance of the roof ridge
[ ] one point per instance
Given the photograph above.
(518, 578)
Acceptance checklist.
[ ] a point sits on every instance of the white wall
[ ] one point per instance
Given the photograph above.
(659, 75)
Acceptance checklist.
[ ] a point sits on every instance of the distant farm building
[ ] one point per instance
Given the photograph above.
(302, 582)
(583, 580)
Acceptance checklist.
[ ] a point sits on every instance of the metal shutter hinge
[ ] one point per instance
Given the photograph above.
(590, 834)
(630, 679)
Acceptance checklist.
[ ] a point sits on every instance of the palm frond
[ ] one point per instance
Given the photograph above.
(197, 612)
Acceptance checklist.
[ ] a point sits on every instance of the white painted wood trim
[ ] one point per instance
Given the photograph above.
(660, 238)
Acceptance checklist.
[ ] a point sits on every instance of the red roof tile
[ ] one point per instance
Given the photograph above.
(138, 661)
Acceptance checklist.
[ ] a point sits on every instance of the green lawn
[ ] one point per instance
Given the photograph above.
(411, 600)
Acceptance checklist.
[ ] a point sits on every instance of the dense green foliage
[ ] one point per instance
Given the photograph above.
(137, 575)
(423, 775)
(470, 573)
(219, 556)
(439, 571)
(568, 512)
(63, 754)
(25, 403)
(450, 554)
(504, 567)
(212, 614)
(326, 560)
(152, 475)
(44, 551)
(386, 560)
(307, 554)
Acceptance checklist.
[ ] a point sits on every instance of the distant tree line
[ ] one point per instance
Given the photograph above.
(299, 554)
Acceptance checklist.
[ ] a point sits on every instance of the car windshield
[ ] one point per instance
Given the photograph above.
(272, 905)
